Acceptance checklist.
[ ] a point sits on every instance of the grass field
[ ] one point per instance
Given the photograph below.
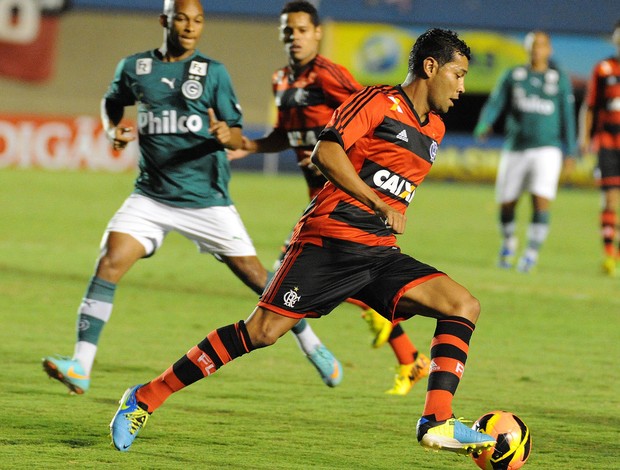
(546, 347)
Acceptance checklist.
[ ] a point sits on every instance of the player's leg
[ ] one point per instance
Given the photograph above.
(508, 187)
(402, 287)
(250, 270)
(510, 242)
(220, 230)
(609, 224)
(456, 311)
(121, 252)
(220, 346)
(413, 365)
(609, 167)
(129, 236)
(546, 166)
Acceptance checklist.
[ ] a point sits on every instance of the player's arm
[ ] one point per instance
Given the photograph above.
(568, 120)
(228, 137)
(492, 108)
(111, 115)
(587, 113)
(334, 163)
(275, 141)
(586, 119)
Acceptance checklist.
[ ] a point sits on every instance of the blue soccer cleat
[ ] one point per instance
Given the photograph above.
(452, 435)
(526, 264)
(506, 258)
(68, 371)
(328, 366)
(128, 420)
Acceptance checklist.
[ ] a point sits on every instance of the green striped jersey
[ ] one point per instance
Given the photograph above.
(181, 163)
(539, 107)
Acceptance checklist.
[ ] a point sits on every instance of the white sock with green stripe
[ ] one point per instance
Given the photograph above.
(93, 313)
(306, 338)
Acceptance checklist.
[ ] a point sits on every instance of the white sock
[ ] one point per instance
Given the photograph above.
(85, 353)
(307, 340)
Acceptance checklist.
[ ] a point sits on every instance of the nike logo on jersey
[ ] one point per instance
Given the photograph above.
(169, 82)
(402, 135)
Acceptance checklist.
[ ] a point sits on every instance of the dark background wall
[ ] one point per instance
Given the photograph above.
(577, 16)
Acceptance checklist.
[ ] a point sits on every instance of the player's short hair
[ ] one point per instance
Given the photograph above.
(440, 44)
(302, 6)
(528, 41)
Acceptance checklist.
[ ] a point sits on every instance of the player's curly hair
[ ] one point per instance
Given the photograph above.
(303, 7)
(440, 44)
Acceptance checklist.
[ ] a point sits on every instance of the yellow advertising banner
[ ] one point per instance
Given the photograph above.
(378, 53)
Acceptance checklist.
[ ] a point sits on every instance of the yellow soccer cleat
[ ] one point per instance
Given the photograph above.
(379, 326)
(609, 266)
(409, 374)
(452, 435)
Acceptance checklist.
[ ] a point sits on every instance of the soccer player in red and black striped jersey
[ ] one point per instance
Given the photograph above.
(376, 150)
(307, 91)
(600, 119)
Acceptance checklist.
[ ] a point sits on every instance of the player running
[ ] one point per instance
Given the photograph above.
(307, 91)
(375, 151)
(187, 115)
(540, 124)
(600, 119)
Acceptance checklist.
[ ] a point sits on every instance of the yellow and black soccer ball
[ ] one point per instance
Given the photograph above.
(514, 442)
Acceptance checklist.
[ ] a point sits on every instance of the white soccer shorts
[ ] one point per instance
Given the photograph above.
(218, 230)
(536, 171)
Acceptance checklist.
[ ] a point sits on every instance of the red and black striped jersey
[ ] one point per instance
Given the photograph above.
(391, 150)
(603, 97)
(306, 102)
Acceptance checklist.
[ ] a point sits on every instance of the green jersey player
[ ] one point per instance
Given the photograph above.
(187, 116)
(538, 102)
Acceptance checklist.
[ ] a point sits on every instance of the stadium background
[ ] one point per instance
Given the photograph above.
(59, 56)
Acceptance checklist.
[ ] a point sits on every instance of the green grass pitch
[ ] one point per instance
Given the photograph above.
(546, 346)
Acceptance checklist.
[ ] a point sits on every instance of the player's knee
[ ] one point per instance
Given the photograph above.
(107, 265)
(262, 328)
(263, 336)
(468, 307)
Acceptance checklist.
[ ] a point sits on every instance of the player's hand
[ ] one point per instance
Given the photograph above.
(121, 136)
(219, 129)
(569, 166)
(584, 148)
(481, 132)
(239, 153)
(393, 220)
(307, 163)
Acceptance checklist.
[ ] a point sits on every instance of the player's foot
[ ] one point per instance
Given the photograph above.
(452, 435)
(609, 266)
(526, 264)
(409, 374)
(68, 371)
(128, 420)
(379, 326)
(328, 366)
(506, 258)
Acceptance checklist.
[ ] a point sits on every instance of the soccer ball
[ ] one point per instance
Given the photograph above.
(514, 442)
